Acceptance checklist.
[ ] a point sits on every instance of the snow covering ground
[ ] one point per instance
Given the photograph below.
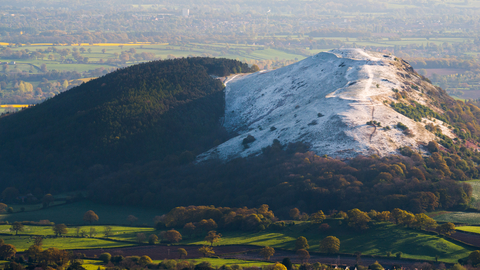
(348, 87)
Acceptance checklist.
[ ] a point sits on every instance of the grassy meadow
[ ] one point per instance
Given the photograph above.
(470, 229)
(92, 264)
(218, 262)
(23, 242)
(72, 213)
(380, 239)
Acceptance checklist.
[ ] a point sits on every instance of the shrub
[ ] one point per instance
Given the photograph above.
(249, 139)
(401, 126)
(324, 227)
(105, 257)
(279, 225)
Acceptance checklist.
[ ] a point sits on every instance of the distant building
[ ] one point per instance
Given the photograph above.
(185, 12)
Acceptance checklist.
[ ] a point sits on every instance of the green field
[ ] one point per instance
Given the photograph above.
(218, 262)
(92, 264)
(119, 233)
(456, 217)
(23, 242)
(72, 213)
(379, 240)
(471, 229)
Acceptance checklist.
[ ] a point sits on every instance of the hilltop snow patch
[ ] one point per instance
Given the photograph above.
(324, 101)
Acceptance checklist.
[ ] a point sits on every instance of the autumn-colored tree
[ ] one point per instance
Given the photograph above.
(55, 256)
(303, 255)
(59, 229)
(7, 251)
(423, 222)
(17, 227)
(206, 251)
(172, 236)
(144, 260)
(267, 252)
(34, 252)
(432, 146)
(376, 266)
(474, 257)
(279, 266)
(47, 200)
(446, 228)
(213, 237)
(207, 225)
(3, 208)
(358, 219)
(398, 215)
(317, 217)
(294, 213)
(189, 229)
(152, 239)
(384, 216)
(330, 244)
(182, 253)
(132, 219)
(90, 217)
(301, 243)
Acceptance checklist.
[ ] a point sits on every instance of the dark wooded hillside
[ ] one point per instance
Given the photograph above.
(163, 109)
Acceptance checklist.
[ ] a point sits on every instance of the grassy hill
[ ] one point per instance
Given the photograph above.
(380, 239)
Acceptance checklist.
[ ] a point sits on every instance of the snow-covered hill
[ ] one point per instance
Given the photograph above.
(325, 101)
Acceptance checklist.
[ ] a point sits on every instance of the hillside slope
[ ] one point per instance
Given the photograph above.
(151, 111)
(326, 102)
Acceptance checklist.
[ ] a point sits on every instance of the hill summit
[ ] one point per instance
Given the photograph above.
(341, 103)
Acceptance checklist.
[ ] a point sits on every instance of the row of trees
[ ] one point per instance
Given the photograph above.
(206, 218)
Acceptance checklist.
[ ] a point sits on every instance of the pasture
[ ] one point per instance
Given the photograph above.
(218, 262)
(378, 240)
(470, 229)
(72, 214)
(23, 242)
(456, 217)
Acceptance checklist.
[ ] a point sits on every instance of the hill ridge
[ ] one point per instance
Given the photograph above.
(326, 102)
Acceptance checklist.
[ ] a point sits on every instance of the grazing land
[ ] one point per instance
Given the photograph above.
(23, 242)
(456, 217)
(72, 213)
(378, 240)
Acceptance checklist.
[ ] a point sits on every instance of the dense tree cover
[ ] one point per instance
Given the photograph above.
(305, 180)
(206, 218)
(163, 110)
